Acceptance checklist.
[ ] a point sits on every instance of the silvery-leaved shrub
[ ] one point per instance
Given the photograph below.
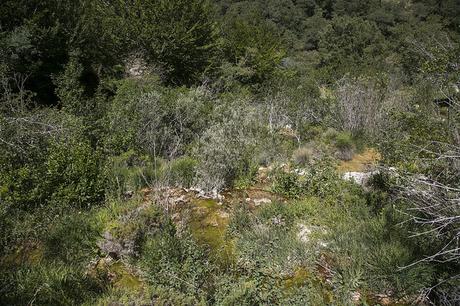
(227, 147)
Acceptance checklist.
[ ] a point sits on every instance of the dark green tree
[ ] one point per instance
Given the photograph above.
(177, 37)
(254, 47)
(351, 45)
(36, 38)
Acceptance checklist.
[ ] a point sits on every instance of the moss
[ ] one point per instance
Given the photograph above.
(301, 277)
(119, 276)
(124, 279)
(126, 288)
(304, 277)
(361, 162)
(207, 203)
(208, 225)
(25, 254)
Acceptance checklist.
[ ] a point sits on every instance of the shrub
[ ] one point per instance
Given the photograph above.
(69, 88)
(47, 284)
(246, 175)
(302, 156)
(320, 179)
(330, 134)
(344, 144)
(133, 229)
(182, 171)
(387, 260)
(350, 45)
(288, 185)
(154, 120)
(343, 141)
(178, 268)
(53, 270)
(254, 48)
(227, 147)
(75, 175)
(68, 174)
(240, 220)
(177, 36)
(130, 172)
(71, 239)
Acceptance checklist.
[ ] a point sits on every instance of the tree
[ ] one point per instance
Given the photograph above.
(36, 38)
(254, 47)
(351, 44)
(177, 37)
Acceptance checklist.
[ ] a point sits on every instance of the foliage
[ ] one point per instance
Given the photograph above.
(38, 37)
(182, 171)
(69, 175)
(52, 283)
(288, 185)
(157, 121)
(68, 88)
(118, 117)
(226, 148)
(75, 175)
(320, 179)
(254, 48)
(129, 172)
(48, 265)
(178, 37)
(71, 239)
(352, 45)
(177, 268)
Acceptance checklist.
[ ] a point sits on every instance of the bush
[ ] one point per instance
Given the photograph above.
(47, 284)
(48, 266)
(288, 185)
(254, 48)
(178, 268)
(71, 239)
(132, 230)
(75, 176)
(182, 171)
(179, 37)
(226, 149)
(246, 175)
(302, 156)
(68, 175)
(344, 143)
(154, 120)
(320, 179)
(350, 45)
(240, 220)
(130, 172)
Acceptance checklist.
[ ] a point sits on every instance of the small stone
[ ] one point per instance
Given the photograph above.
(258, 202)
(356, 296)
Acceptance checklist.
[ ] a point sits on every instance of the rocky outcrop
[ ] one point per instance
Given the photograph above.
(360, 178)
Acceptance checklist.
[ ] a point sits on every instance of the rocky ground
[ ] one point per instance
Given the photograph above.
(207, 215)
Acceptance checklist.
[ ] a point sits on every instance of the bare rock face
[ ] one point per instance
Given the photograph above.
(263, 174)
(136, 67)
(360, 178)
(111, 246)
(259, 202)
(305, 234)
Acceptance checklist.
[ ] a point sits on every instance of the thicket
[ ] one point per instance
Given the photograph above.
(99, 99)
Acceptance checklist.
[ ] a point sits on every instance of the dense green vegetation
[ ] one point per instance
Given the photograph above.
(193, 152)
